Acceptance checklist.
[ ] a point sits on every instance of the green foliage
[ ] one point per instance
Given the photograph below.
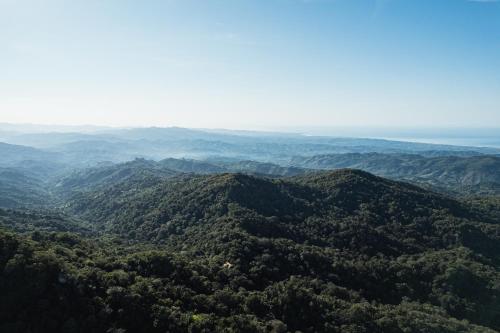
(457, 175)
(331, 252)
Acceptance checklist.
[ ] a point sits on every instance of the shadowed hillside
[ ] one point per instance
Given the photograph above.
(342, 251)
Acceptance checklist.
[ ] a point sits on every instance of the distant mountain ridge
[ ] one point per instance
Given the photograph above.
(120, 145)
(12, 155)
(39, 182)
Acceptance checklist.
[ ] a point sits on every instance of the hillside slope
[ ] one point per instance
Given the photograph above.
(342, 251)
(12, 155)
(465, 175)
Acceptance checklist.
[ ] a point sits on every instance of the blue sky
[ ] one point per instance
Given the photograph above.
(251, 64)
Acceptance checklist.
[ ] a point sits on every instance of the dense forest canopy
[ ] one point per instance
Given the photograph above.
(231, 244)
(456, 175)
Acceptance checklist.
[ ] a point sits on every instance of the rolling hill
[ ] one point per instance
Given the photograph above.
(13, 155)
(456, 174)
(342, 251)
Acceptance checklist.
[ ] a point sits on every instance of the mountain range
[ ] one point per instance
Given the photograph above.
(297, 240)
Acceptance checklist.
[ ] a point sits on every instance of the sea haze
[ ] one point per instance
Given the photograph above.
(463, 136)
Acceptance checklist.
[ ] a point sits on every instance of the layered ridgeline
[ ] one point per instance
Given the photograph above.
(453, 175)
(120, 145)
(450, 169)
(37, 184)
(341, 251)
(478, 175)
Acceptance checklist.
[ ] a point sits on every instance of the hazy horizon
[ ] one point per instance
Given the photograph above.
(458, 136)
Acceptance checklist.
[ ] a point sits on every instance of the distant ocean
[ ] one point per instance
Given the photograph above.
(474, 137)
(472, 142)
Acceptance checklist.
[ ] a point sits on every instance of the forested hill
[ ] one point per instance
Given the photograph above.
(216, 165)
(456, 174)
(341, 251)
(15, 154)
(108, 175)
(311, 209)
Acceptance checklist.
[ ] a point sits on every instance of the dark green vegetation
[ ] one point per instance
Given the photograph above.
(250, 237)
(458, 175)
(222, 166)
(343, 251)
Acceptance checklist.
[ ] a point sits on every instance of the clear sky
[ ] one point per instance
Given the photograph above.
(251, 64)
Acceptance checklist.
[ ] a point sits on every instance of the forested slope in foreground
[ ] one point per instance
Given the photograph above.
(341, 251)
